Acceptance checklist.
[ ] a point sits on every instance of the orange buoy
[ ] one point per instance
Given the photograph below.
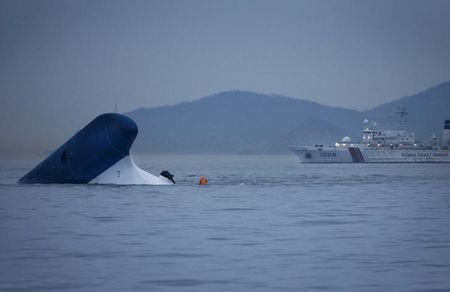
(203, 181)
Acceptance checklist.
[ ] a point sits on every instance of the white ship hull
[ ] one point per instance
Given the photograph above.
(310, 154)
(125, 172)
(327, 155)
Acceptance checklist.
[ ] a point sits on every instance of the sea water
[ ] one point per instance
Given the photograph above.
(263, 223)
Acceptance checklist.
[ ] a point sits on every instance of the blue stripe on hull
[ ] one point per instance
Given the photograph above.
(94, 149)
(356, 155)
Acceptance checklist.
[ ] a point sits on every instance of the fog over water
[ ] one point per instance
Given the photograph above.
(64, 62)
(263, 222)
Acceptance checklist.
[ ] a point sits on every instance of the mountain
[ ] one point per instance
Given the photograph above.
(246, 122)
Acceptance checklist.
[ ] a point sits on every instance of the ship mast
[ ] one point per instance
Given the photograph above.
(400, 115)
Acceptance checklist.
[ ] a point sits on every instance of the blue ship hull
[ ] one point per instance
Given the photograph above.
(98, 146)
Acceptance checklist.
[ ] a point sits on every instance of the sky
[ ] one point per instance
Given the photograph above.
(64, 62)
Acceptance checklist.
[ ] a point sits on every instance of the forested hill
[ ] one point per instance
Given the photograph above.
(250, 123)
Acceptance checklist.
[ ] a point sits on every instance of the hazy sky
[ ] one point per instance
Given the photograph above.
(64, 62)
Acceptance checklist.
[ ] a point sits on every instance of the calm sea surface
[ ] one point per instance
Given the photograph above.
(264, 223)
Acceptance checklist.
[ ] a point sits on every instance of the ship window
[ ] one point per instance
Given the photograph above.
(308, 155)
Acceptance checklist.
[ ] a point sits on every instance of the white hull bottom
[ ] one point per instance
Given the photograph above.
(359, 155)
(125, 172)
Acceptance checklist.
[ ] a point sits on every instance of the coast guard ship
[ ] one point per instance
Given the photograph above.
(396, 145)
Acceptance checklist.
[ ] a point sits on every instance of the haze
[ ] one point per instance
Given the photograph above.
(64, 62)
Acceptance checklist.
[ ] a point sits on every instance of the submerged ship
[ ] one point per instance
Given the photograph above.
(380, 146)
(97, 154)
